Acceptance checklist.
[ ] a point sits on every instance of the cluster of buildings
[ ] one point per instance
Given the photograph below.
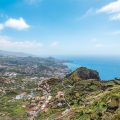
(35, 103)
(39, 104)
(10, 74)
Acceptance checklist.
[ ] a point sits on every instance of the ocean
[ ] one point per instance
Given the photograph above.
(108, 67)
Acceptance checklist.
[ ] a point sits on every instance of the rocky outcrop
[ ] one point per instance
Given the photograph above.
(84, 73)
(114, 104)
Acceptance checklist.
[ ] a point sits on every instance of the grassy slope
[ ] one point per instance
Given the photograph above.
(88, 99)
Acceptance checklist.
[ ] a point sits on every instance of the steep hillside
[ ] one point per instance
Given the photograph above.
(81, 95)
(89, 99)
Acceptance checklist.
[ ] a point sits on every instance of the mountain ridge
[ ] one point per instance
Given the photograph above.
(14, 54)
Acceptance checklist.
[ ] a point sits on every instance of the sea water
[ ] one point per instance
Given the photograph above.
(108, 67)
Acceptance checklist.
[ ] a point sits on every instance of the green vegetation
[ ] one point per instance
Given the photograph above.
(13, 109)
(81, 95)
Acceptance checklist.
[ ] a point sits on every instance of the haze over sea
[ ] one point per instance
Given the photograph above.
(108, 67)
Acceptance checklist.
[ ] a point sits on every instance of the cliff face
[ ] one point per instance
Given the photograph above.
(84, 73)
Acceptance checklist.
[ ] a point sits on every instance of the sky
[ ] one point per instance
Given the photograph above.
(60, 27)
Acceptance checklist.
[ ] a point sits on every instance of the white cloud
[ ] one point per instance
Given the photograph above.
(23, 46)
(113, 9)
(18, 24)
(115, 17)
(28, 46)
(54, 44)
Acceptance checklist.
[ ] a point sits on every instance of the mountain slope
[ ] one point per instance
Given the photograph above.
(71, 98)
(89, 99)
(14, 54)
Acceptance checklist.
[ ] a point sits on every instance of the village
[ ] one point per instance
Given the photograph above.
(24, 82)
(40, 104)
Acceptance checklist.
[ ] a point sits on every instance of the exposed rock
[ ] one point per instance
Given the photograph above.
(84, 73)
(114, 104)
(117, 80)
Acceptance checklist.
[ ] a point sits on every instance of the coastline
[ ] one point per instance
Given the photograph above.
(107, 68)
